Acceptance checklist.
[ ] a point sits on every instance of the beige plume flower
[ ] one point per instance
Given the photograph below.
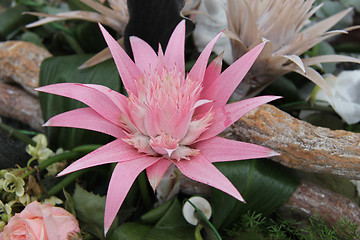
(116, 17)
(286, 26)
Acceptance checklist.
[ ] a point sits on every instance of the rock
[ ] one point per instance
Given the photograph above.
(20, 63)
(17, 104)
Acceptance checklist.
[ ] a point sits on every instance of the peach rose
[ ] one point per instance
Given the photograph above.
(40, 221)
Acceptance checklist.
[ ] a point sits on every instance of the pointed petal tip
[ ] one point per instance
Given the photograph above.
(47, 124)
(106, 229)
(274, 154)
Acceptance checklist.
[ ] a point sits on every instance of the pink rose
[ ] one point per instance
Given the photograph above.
(40, 221)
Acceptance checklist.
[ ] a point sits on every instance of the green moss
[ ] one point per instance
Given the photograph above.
(254, 226)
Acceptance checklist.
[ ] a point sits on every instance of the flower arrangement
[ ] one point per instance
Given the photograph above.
(155, 144)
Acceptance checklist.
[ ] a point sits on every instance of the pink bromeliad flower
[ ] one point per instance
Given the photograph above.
(168, 118)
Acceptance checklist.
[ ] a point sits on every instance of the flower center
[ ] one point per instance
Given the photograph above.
(162, 114)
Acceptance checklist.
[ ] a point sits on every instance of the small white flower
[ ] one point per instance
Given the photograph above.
(40, 151)
(346, 99)
(189, 211)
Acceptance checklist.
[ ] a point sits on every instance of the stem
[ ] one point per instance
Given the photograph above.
(198, 229)
(17, 134)
(75, 153)
(304, 105)
(203, 218)
(57, 158)
(144, 192)
(66, 181)
(87, 148)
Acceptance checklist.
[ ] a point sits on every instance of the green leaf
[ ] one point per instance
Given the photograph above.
(285, 88)
(89, 36)
(12, 19)
(265, 186)
(324, 119)
(167, 223)
(69, 203)
(64, 69)
(31, 37)
(172, 225)
(155, 214)
(130, 230)
(90, 210)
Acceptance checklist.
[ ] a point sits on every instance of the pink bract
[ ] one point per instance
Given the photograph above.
(170, 117)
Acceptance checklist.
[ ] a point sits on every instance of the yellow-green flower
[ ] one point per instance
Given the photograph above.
(13, 184)
(5, 211)
(40, 151)
(53, 200)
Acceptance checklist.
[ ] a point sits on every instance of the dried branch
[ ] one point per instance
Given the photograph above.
(312, 200)
(302, 145)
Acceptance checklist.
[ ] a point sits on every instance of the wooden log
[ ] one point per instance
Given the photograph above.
(312, 200)
(301, 145)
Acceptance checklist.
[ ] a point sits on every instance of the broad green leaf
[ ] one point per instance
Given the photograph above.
(89, 36)
(90, 210)
(31, 37)
(130, 230)
(285, 88)
(172, 225)
(265, 186)
(155, 214)
(324, 119)
(167, 222)
(12, 19)
(64, 69)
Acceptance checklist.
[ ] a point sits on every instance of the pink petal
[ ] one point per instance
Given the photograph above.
(120, 100)
(212, 73)
(228, 114)
(151, 121)
(49, 222)
(156, 172)
(115, 151)
(121, 180)
(222, 88)
(201, 170)
(161, 64)
(219, 149)
(198, 70)
(85, 118)
(144, 56)
(89, 95)
(174, 53)
(127, 69)
(178, 124)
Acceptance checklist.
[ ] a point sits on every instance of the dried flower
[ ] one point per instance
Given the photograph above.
(284, 24)
(168, 118)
